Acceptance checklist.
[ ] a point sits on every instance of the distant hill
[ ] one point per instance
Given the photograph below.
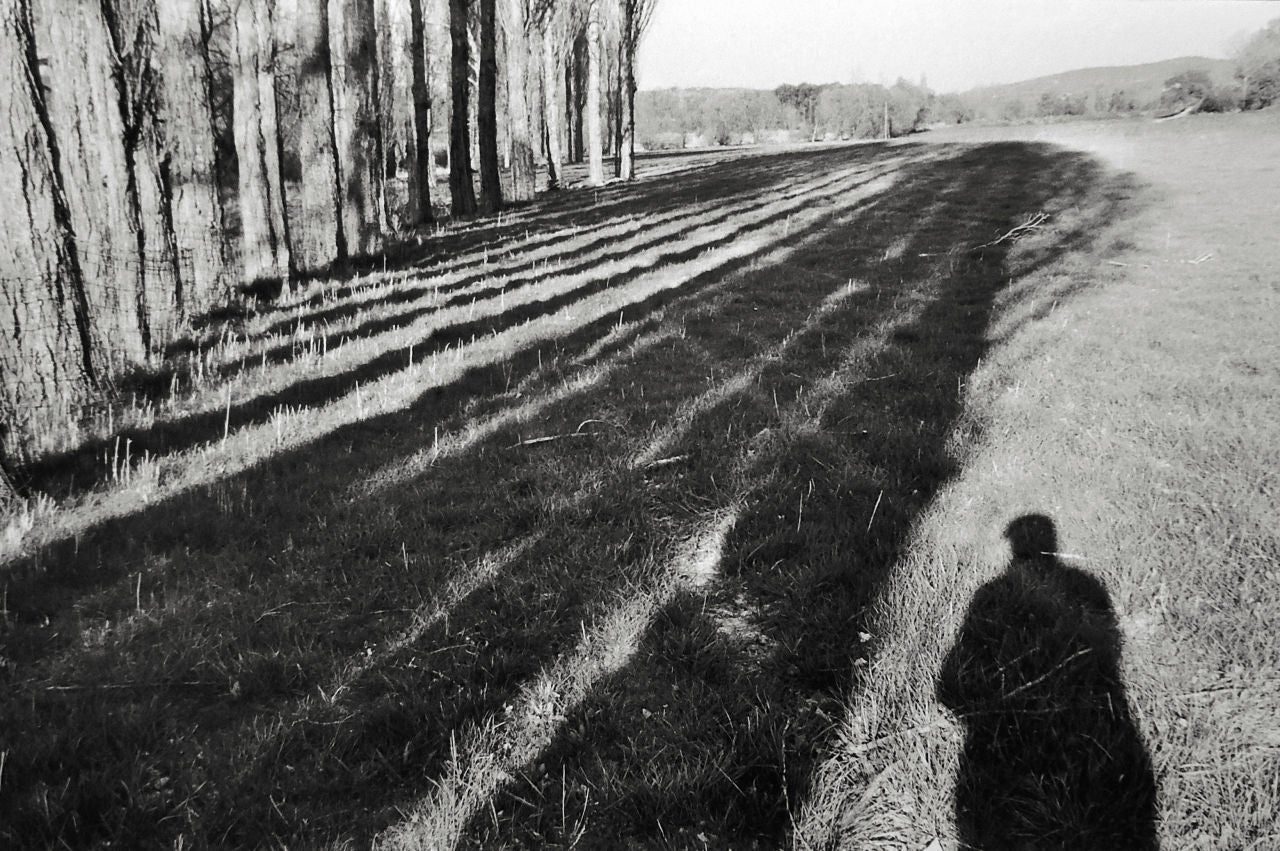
(1143, 83)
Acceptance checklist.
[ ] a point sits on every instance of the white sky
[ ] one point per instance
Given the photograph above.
(957, 44)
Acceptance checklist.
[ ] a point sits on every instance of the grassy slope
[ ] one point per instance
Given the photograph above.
(1142, 416)
(1144, 82)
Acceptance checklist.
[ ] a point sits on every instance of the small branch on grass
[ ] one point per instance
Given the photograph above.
(134, 684)
(602, 422)
(280, 608)
(1046, 675)
(1031, 224)
(578, 432)
(226, 421)
(665, 462)
(874, 510)
(534, 441)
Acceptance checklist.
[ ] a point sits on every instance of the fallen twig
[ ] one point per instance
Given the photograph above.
(534, 441)
(578, 432)
(133, 684)
(663, 462)
(1031, 224)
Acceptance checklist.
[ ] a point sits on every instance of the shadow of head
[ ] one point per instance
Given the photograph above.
(1052, 757)
(1032, 536)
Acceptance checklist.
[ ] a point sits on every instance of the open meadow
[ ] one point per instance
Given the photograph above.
(647, 516)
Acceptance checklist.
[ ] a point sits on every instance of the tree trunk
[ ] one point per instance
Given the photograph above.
(48, 355)
(423, 164)
(551, 110)
(265, 251)
(395, 90)
(83, 104)
(523, 172)
(461, 192)
(595, 155)
(486, 107)
(318, 237)
(616, 107)
(628, 155)
(130, 27)
(358, 130)
(574, 100)
(187, 147)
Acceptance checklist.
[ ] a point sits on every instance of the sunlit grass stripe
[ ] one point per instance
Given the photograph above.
(166, 476)
(493, 295)
(317, 361)
(742, 380)
(486, 757)
(457, 442)
(490, 754)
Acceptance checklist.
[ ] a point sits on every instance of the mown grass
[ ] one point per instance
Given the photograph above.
(631, 572)
(1140, 415)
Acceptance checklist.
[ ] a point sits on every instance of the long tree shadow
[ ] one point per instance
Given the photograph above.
(578, 259)
(74, 471)
(543, 221)
(203, 641)
(1052, 756)
(710, 736)
(184, 633)
(586, 264)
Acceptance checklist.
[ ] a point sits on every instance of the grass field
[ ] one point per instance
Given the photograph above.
(645, 517)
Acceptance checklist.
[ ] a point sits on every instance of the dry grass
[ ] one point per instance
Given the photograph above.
(1142, 416)
(643, 516)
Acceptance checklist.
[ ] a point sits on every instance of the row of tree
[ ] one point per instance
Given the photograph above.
(164, 152)
(804, 112)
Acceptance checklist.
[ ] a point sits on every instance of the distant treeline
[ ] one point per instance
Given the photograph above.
(674, 118)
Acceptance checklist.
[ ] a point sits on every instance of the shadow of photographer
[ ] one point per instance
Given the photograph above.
(1052, 757)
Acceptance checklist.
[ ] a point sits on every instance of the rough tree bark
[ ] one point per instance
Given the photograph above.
(551, 109)
(574, 99)
(423, 165)
(358, 129)
(487, 117)
(395, 92)
(265, 250)
(131, 33)
(616, 107)
(187, 149)
(48, 355)
(318, 238)
(635, 20)
(627, 153)
(462, 195)
(595, 154)
(83, 103)
(523, 172)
